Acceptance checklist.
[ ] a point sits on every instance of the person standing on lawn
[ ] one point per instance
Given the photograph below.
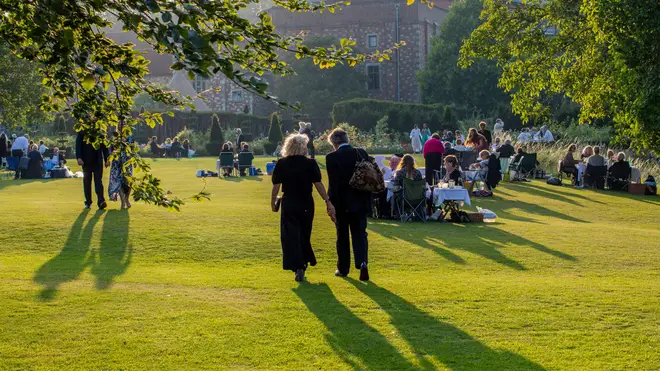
(351, 205)
(295, 174)
(92, 161)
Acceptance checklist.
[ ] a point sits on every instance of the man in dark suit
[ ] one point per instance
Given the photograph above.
(351, 205)
(92, 161)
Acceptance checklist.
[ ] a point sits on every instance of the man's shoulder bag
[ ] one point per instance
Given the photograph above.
(367, 176)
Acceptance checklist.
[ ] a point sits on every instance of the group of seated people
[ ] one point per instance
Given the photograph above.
(596, 167)
(37, 165)
(241, 162)
(169, 148)
(542, 135)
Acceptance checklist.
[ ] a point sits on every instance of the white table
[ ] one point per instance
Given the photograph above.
(457, 194)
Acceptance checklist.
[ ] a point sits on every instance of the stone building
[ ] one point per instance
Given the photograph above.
(377, 25)
(230, 97)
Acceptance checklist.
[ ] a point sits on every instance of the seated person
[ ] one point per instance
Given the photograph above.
(568, 163)
(619, 172)
(449, 150)
(226, 148)
(176, 149)
(185, 151)
(155, 148)
(406, 170)
(495, 146)
(35, 168)
(453, 170)
(544, 135)
(506, 150)
(596, 159)
(58, 159)
(611, 158)
(388, 172)
(520, 153)
(651, 186)
(459, 147)
(245, 158)
(479, 167)
(587, 152)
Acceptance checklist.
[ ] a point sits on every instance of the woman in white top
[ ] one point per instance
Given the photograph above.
(499, 126)
(416, 138)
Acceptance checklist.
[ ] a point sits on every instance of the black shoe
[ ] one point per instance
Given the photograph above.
(88, 206)
(103, 205)
(338, 273)
(364, 272)
(300, 275)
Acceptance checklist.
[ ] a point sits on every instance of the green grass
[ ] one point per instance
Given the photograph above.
(566, 279)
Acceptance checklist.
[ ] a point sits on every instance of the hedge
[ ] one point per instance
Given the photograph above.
(364, 113)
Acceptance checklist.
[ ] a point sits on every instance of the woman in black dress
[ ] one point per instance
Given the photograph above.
(35, 169)
(295, 174)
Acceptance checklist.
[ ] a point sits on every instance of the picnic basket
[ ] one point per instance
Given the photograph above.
(476, 217)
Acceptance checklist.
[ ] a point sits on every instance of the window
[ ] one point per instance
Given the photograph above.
(201, 83)
(236, 96)
(372, 41)
(373, 77)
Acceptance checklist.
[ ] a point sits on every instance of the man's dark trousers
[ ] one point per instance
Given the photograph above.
(96, 173)
(356, 224)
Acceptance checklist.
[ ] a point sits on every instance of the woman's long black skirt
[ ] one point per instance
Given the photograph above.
(296, 232)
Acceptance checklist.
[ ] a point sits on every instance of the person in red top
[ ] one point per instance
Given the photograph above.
(433, 151)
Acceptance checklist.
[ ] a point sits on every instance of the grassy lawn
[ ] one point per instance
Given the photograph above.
(566, 279)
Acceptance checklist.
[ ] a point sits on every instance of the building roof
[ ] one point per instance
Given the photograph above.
(181, 83)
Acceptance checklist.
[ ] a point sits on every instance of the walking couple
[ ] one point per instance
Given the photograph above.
(346, 206)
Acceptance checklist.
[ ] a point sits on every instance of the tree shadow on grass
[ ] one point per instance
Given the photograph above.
(7, 183)
(72, 259)
(536, 209)
(115, 253)
(353, 340)
(555, 193)
(430, 337)
(479, 239)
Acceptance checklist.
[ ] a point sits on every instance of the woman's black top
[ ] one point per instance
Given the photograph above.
(296, 174)
(454, 175)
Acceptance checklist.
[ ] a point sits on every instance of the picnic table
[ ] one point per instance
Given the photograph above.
(450, 199)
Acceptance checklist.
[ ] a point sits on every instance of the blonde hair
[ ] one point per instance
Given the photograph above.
(484, 152)
(295, 145)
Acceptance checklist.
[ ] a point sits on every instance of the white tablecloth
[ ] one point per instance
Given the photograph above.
(450, 194)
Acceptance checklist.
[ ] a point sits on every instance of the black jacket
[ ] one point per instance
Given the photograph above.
(92, 158)
(4, 148)
(506, 151)
(340, 165)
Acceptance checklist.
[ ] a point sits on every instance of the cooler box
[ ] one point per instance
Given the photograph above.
(270, 167)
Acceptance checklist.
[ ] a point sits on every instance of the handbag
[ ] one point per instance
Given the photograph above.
(24, 163)
(367, 176)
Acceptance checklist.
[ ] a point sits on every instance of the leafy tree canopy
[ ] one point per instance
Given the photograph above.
(20, 92)
(603, 54)
(443, 81)
(317, 90)
(93, 79)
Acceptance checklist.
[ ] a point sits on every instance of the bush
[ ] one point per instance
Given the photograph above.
(216, 137)
(365, 113)
(274, 133)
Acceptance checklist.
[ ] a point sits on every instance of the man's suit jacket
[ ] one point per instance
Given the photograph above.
(92, 158)
(340, 165)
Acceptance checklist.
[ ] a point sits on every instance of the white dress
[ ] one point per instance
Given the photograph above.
(416, 138)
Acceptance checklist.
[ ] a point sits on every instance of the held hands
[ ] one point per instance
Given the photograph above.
(332, 213)
(272, 206)
(107, 164)
(80, 162)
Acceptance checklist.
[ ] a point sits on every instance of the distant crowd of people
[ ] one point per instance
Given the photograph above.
(172, 148)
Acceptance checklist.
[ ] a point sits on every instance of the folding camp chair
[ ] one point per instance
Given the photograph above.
(571, 172)
(413, 200)
(227, 161)
(595, 176)
(244, 161)
(618, 182)
(526, 167)
(467, 159)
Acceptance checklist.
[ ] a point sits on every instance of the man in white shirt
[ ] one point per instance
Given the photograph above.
(42, 147)
(545, 136)
(19, 149)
